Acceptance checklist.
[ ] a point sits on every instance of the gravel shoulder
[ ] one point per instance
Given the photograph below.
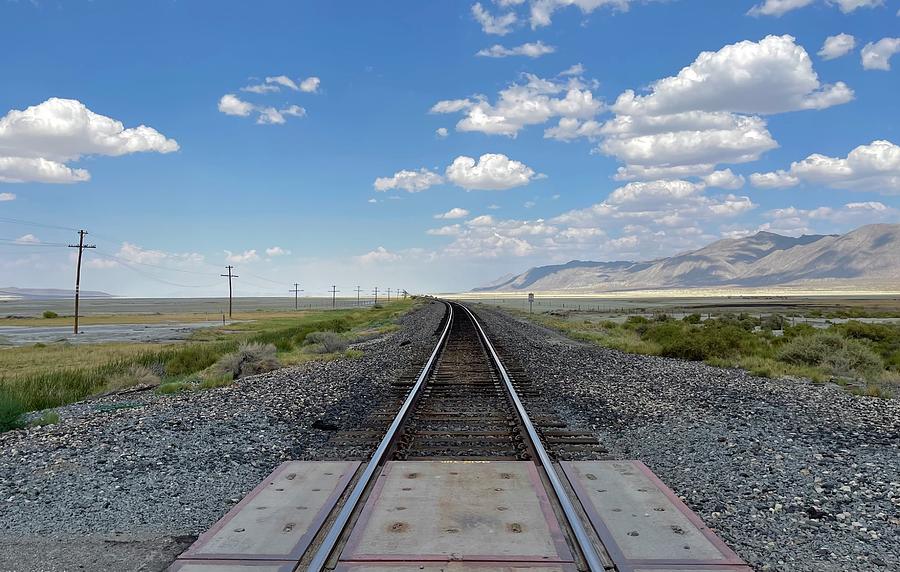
(126, 483)
(794, 476)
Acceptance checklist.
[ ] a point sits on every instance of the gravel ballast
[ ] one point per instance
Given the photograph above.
(127, 482)
(793, 476)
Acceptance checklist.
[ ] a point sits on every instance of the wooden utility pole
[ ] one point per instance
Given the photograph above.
(333, 291)
(296, 292)
(389, 294)
(358, 290)
(80, 246)
(376, 294)
(229, 276)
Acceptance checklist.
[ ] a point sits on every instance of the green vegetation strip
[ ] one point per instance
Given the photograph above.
(865, 357)
(45, 376)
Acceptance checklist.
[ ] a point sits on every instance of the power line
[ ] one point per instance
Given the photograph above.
(280, 283)
(32, 223)
(150, 276)
(125, 260)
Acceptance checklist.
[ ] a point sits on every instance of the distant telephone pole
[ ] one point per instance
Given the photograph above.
(333, 291)
(296, 292)
(358, 290)
(80, 246)
(389, 294)
(229, 276)
(376, 294)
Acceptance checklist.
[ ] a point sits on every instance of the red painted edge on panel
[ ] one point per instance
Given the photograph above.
(350, 566)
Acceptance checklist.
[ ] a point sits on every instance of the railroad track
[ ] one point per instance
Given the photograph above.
(463, 475)
(466, 405)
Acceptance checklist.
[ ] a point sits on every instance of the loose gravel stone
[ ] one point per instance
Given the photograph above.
(121, 475)
(794, 476)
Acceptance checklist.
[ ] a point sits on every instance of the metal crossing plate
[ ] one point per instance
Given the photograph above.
(231, 566)
(279, 518)
(643, 525)
(442, 511)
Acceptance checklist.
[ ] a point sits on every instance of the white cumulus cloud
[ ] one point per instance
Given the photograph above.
(7, 197)
(710, 112)
(534, 101)
(542, 10)
(530, 49)
(36, 143)
(380, 254)
(499, 25)
(780, 7)
(28, 239)
(409, 181)
(241, 257)
(455, 212)
(874, 167)
(837, 46)
(877, 56)
(276, 251)
(724, 179)
(491, 172)
(775, 180)
(231, 104)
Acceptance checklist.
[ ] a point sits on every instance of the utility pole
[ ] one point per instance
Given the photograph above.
(389, 294)
(80, 246)
(296, 292)
(333, 291)
(376, 294)
(358, 290)
(229, 276)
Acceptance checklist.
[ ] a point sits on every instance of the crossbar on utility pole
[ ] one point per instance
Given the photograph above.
(376, 294)
(333, 291)
(80, 246)
(296, 292)
(358, 290)
(229, 276)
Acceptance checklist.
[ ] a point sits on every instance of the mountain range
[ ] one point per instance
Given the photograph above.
(866, 258)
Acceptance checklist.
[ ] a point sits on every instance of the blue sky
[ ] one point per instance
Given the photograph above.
(545, 157)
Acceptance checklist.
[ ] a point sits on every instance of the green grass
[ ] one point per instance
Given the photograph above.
(864, 357)
(46, 376)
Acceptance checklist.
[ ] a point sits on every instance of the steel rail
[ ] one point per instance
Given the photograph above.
(320, 560)
(585, 544)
